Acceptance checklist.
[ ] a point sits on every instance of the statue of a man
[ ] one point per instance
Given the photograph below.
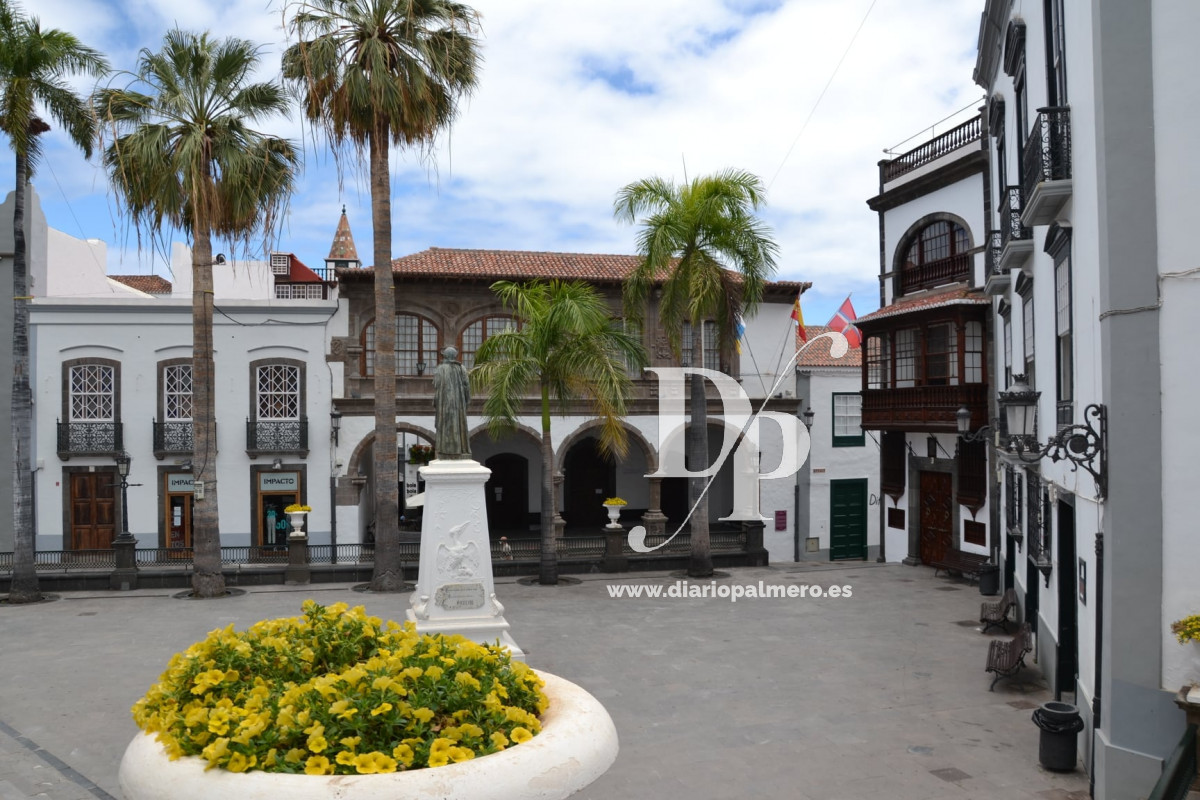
(451, 393)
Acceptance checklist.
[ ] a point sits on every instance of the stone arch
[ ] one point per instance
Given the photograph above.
(355, 462)
(900, 251)
(521, 430)
(592, 426)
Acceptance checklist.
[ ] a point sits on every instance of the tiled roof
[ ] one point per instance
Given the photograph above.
(958, 296)
(343, 242)
(441, 262)
(298, 271)
(817, 355)
(150, 284)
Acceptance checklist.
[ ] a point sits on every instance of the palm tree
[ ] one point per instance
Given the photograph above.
(33, 65)
(566, 346)
(703, 240)
(370, 74)
(183, 155)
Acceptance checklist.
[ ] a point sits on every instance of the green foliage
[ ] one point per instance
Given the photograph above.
(338, 692)
(1187, 629)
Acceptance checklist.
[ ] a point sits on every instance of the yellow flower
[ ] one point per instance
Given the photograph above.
(294, 755)
(346, 757)
(458, 754)
(499, 740)
(382, 708)
(520, 734)
(318, 765)
(350, 741)
(240, 763)
(467, 679)
(215, 751)
(422, 714)
(404, 754)
(374, 762)
(317, 743)
(434, 671)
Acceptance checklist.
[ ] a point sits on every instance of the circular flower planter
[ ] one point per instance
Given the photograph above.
(577, 744)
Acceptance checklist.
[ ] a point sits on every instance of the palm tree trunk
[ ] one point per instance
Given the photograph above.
(207, 580)
(24, 581)
(548, 571)
(388, 575)
(700, 565)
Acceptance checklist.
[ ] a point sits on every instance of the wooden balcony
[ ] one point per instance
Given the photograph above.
(924, 408)
(936, 273)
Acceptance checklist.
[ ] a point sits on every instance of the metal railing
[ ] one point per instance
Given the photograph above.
(51, 560)
(1047, 155)
(173, 436)
(1179, 770)
(277, 436)
(90, 438)
(1011, 206)
(995, 248)
(948, 142)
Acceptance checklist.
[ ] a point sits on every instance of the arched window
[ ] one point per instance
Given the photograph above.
(477, 333)
(937, 254)
(416, 346)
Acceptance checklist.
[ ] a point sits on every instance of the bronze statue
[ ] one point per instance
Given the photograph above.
(451, 393)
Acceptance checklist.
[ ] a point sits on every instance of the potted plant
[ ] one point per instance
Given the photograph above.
(420, 454)
(613, 506)
(1188, 630)
(296, 514)
(335, 703)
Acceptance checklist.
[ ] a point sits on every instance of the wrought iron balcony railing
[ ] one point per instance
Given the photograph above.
(1010, 215)
(1047, 154)
(89, 439)
(277, 436)
(951, 140)
(174, 436)
(995, 248)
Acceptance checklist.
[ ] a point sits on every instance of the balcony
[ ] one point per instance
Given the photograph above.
(923, 408)
(1016, 239)
(172, 438)
(998, 278)
(954, 269)
(89, 439)
(275, 437)
(953, 139)
(1046, 166)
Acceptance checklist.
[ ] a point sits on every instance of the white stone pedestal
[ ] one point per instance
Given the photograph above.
(455, 592)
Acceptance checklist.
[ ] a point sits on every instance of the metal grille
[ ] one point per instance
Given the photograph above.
(173, 437)
(1010, 215)
(1047, 154)
(89, 437)
(281, 436)
(278, 392)
(177, 392)
(92, 395)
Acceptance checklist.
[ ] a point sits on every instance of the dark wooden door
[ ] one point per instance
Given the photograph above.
(507, 492)
(93, 510)
(847, 519)
(179, 520)
(1068, 588)
(937, 519)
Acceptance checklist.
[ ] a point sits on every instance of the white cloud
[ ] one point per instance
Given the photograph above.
(542, 147)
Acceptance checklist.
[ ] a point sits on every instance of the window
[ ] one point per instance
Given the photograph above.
(92, 393)
(972, 475)
(1027, 330)
(709, 347)
(1008, 350)
(478, 332)
(894, 464)
(1062, 325)
(973, 355)
(878, 362)
(416, 343)
(1056, 63)
(937, 254)
(278, 392)
(281, 264)
(1033, 509)
(300, 291)
(177, 392)
(906, 357)
(941, 355)
(1013, 500)
(847, 420)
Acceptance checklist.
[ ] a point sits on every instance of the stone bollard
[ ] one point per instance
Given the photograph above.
(125, 576)
(754, 544)
(615, 559)
(297, 569)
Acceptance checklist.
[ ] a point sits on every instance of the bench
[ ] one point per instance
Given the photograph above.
(995, 612)
(966, 564)
(1007, 656)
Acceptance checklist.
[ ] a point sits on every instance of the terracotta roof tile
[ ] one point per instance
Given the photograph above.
(343, 242)
(150, 284)
(958, 296)
(817, 355)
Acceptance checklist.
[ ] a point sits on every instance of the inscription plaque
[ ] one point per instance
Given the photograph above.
(459, 596)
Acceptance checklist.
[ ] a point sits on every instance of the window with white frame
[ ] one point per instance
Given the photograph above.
(278, 396)
(878, 362)
(177, 392)
(1008, 350)
(847, 420)
(92, 393)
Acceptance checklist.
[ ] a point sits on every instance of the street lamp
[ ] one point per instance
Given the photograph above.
(1084, 445)
(123, 461)
(963, 419)
(335, 425)
(808, 417)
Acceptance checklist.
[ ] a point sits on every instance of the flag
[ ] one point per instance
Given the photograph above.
(843, 322)
(741, 333)
(798, 317)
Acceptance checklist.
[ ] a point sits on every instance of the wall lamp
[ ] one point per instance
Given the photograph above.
(807, 416)
(335, 425)
(1084, 445)
(963, 420)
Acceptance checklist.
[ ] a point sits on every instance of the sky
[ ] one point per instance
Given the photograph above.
(579, 98)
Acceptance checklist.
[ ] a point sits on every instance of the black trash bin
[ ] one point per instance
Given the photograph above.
(989, 580)
(1060, 722)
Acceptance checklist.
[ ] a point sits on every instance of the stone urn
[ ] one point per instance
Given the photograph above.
(614, 515)
(576, 745)
(296, 518)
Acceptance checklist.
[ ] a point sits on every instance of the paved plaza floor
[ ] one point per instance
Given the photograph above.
(879, 694)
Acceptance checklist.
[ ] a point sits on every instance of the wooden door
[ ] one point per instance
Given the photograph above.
(507, 493)
(937, 518)
(847, 519)
(179, 520)
(93, 510)
(588, 479)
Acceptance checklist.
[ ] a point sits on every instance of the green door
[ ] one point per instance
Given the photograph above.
(848, 519)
